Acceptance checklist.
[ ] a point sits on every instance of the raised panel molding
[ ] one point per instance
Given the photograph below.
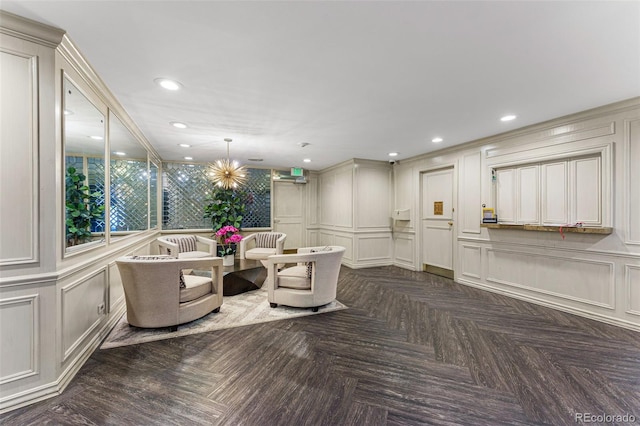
(19, 332)
(589, 282)
(632, 182)
(470, 194)
(80, 314)
(632, 283)
(347, 243)
(559, 135)
(19, 159)
(471, 261)
(374, 248)
(405, 249)
(116, 290)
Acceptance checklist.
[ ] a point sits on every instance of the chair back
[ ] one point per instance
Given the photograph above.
(267, 239)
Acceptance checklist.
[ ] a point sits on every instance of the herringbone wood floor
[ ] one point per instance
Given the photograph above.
(412, 349)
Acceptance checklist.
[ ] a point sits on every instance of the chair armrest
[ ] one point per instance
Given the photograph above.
(280, 244)
(292, 258)
(208, 241)
(243, 244)
(168, 246)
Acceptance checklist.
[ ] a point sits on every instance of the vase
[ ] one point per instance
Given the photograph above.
(227, 260)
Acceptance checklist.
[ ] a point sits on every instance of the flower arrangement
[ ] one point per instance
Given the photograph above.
(227, 237)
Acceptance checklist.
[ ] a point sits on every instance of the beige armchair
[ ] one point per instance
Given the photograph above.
(261, 245)
(311, 283)
(187, 246)
(157, 294)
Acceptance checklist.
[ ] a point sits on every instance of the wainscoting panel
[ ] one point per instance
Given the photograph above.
(404, 250)
(471, 261)
(83, 307)
(347, 243)
(580, 280)
(19, 158)
(632, 284)
(373, 196)
(19, 334)
(374, 249)
(116, 291)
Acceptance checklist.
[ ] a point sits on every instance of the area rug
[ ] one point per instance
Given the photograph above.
(236, 311)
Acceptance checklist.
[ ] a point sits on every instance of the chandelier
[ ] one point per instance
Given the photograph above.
(226, 173)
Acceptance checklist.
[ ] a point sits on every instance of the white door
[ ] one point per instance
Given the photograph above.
(288, 212)
(437, 222)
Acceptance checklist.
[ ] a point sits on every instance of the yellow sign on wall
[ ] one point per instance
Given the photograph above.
(438, 207)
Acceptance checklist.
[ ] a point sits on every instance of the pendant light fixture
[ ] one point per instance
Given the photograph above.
(227, 174)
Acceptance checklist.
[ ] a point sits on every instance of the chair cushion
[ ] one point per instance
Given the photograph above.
(194, 254)
(294, 277)
(195, 287)
(259, 253)
(188, 243)
(267, 239)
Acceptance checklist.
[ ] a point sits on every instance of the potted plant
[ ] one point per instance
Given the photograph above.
(225, 207)
(81, 208)
(227, 238)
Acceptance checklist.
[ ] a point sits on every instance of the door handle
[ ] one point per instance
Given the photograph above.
(450, 223)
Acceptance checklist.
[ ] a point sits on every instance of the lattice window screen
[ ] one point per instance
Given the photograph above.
(128, 210)
(185, 188)
(95, 178)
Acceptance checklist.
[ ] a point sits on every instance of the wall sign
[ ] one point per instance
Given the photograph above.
(438, 207)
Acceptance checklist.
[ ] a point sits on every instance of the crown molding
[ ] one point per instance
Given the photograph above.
(29, 30)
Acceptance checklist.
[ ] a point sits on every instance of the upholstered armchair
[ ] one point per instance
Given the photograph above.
(157, 293)
(261, 245)
(311, 283)
(187, 246)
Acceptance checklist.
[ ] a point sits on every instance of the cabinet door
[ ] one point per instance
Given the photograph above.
(554, 194)
(586, 190)
(505, 195)
(528, 194)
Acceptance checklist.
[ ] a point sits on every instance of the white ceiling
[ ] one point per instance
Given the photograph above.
(352, 79)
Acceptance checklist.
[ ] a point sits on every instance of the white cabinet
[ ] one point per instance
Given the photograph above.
(553, 193)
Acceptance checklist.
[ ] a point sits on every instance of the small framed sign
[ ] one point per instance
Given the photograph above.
(438, 208)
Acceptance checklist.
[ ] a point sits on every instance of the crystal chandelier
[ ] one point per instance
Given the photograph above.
(226, 173)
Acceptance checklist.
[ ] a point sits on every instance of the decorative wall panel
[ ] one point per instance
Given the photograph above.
(632, 136)
(471, 261)
(83, 306)
(404, 249)
(19, 158)
(19, 336)
(373, 197)
(586, 191)
(470, 195)
(581, 280)
(374, 248)
(116, 291)
(632, 284)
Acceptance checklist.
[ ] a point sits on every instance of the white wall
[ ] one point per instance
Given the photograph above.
(597, 276)
(354, 208)
(55, 308)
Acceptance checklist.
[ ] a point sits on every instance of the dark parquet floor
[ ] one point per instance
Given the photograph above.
(412, 349)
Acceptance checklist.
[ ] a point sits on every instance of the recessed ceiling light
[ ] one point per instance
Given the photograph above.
(307, 160)
(436, 140)
(120, 153)
(393, 154)
(188, 158)
(98, 138)
(168, 84)
(178, 124)
(508, 117)
(255, 159)
(184, 145)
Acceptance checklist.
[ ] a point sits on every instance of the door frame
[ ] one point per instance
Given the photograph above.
(454, 202)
